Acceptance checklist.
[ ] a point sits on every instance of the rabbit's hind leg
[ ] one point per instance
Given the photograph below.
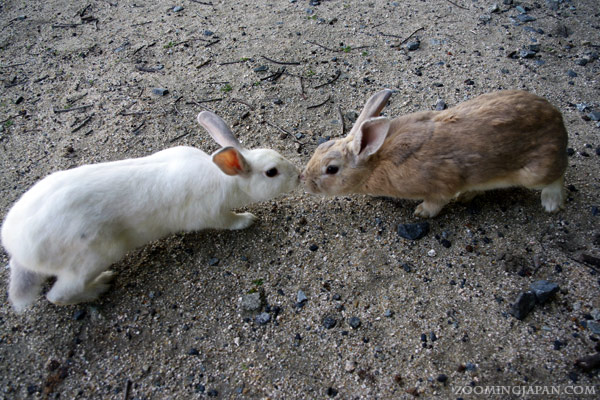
(24, 287)
(553, 196)
(72, 288)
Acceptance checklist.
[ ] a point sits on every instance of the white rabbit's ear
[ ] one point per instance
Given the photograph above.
(218, 129)
(372, 108)
(370, 137)
(231, 161)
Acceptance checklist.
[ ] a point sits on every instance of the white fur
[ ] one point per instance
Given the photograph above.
(74, 224)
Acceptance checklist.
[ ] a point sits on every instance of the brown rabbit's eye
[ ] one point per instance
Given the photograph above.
(331, 170)
(271, 173)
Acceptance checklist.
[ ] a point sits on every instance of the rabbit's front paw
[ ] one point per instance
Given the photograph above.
(242, 220)
(428, 209)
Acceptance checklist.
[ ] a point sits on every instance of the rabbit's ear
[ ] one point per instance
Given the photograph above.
(370, 137)
(218, 129)
(372, 108)
(231, 161)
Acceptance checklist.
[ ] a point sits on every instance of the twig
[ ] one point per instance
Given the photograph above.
(457, 5)
(243, 102)
(203, 63)
(339, 110)
(281, 62)
(411, 35)
(126, 113)
(135, 131)
(321, 46)
(14, 65)
(202, 2)
(65, 25)
(41, 79)
(147, 69)
(276, 127)
(211, 43)
(197, 102)
(64, 110)
(335, 78)
(301, 80)
(13, 84)
(390, 35)
(82, 124)
(127, 390)
(320, 104)
(274, 76)
(179, 137)
(232, 62)
(141, 23)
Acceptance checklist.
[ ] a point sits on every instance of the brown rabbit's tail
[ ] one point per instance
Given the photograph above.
(24, 287)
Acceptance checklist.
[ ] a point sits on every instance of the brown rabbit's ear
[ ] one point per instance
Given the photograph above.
(218, 129)
(370, 136)
(372, 108)
(231, 161)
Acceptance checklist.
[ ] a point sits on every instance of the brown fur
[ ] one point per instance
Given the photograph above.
(501, 139)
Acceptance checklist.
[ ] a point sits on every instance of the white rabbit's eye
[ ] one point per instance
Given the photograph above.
(332, 170)
(271, 172)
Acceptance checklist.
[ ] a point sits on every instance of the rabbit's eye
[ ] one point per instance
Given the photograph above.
(332, 170)
(271, 172)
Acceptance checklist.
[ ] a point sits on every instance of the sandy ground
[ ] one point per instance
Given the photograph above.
(431, 317)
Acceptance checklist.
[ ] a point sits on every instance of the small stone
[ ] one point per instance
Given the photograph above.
(525, 18)
(526, 53)
(594, 115)
(388, 314)
(208, 33)
(413, 231)
(350, 366)
(572, 73)
(252, 302)
(329, 322)
(431, 253)
(446, 243)
(177, 8)
(494, 8)
(79, 314)
(594, 326)
(193, 352)
(440, 105)
(582, 107)
(313, 247)
(354, 322)
(523, 305)
(520, 9)
(262, 68)
(332, 392)
(442, 378)
(213, 393)
(352, 116)
(301, 297)
(412, 46)
(485, 18)
(160, 91)
(213, 262)
(582, 62)
(263, 318)
(406, 267)
(544, 290)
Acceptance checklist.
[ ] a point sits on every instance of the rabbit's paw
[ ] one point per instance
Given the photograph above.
(553, 196)
(242, 220)
(428, 209)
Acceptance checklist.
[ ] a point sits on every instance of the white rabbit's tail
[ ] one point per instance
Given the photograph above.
(25, 286)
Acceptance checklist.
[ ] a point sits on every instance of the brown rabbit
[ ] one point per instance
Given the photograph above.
(496, 140)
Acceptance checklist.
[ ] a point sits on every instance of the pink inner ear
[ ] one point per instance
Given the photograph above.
(229, 161)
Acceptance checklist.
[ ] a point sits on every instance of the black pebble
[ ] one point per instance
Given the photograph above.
(79, 314)
(523, 305)
(193, 352)
(446, 243)
(213, 393)
(331, 392)
(213, 262)
(544, 290)
(354, 322)
(413, 231)
(442, 378)
(313, 247)
(329, 322)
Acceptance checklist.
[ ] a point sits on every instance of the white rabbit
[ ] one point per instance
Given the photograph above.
(74, 224)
